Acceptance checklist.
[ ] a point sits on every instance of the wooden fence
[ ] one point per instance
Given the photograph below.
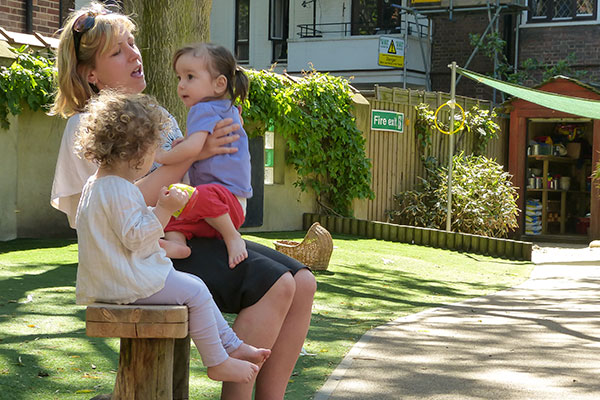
(396, 158)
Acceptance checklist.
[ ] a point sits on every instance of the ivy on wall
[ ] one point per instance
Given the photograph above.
(29, 79)
(313, 113)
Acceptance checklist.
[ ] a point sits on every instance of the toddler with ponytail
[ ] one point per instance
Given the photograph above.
(210, 82)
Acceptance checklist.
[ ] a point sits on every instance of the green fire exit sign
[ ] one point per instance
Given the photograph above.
(387, 121)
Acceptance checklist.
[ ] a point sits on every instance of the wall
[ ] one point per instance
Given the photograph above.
(554, 43)
(45, 15)
(451, 43)
(27, 161)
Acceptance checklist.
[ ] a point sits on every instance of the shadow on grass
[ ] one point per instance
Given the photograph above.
(28, 357)
(33, 244)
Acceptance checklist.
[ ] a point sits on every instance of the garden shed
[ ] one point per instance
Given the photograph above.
(551, 157)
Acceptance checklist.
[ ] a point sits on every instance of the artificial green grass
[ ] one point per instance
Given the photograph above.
(44, 353)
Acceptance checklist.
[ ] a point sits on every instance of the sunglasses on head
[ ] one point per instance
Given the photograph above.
(83, 24)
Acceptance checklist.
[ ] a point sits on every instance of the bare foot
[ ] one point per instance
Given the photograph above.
(233, 370)
(174, 249)
(236, 249)
(250, 353)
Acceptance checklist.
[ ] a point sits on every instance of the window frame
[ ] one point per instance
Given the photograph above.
(381, 7)
(245, 41)
(284, 21)
(532, 19)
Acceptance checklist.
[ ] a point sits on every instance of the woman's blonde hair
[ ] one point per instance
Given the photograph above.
(118, 126)
(74, 90)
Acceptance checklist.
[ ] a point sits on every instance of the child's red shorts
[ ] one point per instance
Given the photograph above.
(207, 201)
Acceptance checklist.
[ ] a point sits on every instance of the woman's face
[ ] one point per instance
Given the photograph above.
(120, 67)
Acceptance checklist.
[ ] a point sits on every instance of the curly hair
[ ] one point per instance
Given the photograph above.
(120, 127)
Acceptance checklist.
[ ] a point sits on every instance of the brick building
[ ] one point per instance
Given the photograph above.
(28, 16)
(545, 30)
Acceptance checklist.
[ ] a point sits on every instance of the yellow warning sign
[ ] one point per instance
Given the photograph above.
(392, 48)
(391, 52)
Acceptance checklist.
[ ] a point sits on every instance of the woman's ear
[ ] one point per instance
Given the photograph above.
(91, 77)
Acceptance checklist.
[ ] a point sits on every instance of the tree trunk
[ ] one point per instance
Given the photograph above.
(163, 27)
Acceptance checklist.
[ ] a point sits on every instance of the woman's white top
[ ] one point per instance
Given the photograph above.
(72, 171)
(120, 260)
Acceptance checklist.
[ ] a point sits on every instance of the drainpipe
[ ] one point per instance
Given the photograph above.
(29, 16)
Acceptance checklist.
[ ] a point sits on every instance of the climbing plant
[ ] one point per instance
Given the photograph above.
(314, 115)
(30, 79)
(478, 121)
(493, 45)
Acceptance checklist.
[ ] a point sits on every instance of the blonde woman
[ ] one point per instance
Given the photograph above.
(271, 293)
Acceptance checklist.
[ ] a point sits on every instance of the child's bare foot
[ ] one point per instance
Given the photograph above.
(233, 370)
(236, 249)
(174, 249)
(251, 353)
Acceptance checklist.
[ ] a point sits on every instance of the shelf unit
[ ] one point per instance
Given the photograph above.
(578, 180)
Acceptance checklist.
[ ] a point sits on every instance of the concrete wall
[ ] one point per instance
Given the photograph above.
(27, 160)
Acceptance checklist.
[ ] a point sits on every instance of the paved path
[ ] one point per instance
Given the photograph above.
(540, 340)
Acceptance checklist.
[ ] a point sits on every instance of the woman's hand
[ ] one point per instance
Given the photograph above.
(216, 143)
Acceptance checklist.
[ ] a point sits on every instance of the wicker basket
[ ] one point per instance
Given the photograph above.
(314, 251)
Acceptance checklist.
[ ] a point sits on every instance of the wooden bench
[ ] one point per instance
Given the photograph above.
(148, 336)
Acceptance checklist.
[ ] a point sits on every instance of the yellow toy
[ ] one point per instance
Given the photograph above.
(183, 187)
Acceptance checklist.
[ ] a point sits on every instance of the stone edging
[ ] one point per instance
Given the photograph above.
(504, 248)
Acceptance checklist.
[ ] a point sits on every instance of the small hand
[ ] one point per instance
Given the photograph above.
(172, 200)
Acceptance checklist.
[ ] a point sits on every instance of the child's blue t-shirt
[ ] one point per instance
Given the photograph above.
(229, 170)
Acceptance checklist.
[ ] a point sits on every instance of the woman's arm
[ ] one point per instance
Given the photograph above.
(187, 149)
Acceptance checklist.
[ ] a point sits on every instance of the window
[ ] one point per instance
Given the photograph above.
(242, 31)
(372, 17)
(279, 28)
(561, 10)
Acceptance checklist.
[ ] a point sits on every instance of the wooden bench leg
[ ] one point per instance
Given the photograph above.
(145, 370)
(181, 369)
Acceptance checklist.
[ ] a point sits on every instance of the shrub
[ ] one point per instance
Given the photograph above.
(483, 199)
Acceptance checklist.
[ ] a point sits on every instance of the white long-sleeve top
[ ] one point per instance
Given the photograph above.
(120, 260)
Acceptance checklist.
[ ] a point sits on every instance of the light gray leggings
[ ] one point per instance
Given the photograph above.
(208, 329)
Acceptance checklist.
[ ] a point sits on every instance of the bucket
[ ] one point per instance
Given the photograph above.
(565, 182)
